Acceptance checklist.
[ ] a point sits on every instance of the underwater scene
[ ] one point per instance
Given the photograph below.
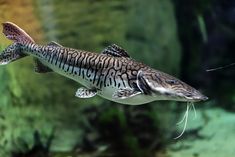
(117, 78)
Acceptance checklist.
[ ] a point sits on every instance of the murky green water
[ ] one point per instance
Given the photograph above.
(40, 116)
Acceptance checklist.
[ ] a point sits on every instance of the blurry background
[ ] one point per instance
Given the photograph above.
(41, 117)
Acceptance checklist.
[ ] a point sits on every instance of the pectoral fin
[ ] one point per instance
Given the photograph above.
(40, 68)
(85, 93)
(125, 93)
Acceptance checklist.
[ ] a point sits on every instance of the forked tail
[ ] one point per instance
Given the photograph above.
(19, 38)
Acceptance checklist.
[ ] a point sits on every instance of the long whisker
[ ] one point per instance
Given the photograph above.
(182, 120)
(222, 67)
(185, 119)
(195, 112)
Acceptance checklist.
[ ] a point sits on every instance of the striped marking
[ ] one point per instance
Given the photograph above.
(99, 70)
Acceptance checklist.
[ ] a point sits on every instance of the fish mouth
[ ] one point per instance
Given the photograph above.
(202, 98)
(197, 98)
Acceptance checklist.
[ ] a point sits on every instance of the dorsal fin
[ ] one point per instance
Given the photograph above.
(115, 51)
(53, 43)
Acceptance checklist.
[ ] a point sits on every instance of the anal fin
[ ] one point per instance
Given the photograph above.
(41, 68)
(85, 93)
(125, 93)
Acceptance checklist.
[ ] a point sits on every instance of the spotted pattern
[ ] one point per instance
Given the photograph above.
(85, 93)
(10, 54)
(15, 33)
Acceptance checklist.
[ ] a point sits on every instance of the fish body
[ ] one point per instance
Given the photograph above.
(111, 74)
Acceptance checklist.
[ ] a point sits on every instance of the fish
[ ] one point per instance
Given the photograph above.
(112, 74)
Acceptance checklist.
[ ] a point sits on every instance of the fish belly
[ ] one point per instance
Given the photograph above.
(107, 93)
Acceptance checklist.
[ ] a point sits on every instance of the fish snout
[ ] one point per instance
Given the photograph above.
(204, 98)
(200, 97)
(195, 96)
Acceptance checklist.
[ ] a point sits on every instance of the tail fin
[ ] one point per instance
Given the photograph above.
(10, 54)
(19, 37)
(15, 33)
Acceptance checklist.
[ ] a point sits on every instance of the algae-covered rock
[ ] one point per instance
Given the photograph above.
(212, 137)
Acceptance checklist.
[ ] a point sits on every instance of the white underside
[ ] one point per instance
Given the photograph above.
(106, 92)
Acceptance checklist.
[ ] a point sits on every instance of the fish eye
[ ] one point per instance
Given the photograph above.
(172, 82)
(188, 95)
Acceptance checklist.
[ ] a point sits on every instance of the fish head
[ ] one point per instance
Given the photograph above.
(167, 87)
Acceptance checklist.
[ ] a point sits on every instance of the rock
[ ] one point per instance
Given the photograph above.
(212, 138)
